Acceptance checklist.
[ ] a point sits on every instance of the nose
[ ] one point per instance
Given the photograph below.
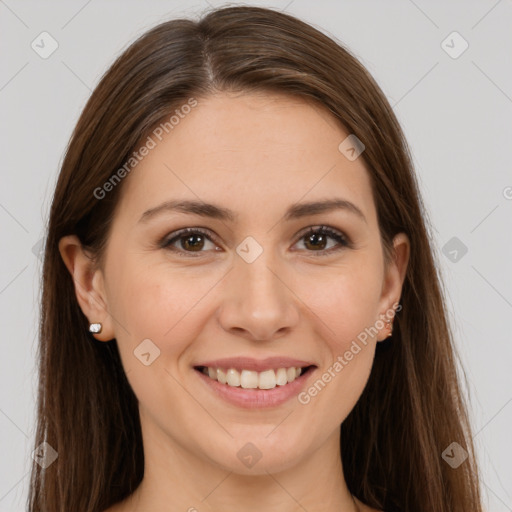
(259, 303)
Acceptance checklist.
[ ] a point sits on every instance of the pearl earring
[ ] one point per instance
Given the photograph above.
(95, 328)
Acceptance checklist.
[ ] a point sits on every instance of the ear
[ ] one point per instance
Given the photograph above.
(394, 276)
(89, 285)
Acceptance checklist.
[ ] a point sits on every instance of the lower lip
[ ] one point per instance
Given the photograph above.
(257, 398)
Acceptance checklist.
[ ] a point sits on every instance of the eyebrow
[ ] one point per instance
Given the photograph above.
(295, 211)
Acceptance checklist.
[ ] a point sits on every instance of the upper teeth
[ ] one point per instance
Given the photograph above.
(251, 379)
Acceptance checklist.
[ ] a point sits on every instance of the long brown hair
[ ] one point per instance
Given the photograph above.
(412, 408)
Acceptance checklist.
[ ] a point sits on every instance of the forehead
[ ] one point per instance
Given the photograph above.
(246, 151)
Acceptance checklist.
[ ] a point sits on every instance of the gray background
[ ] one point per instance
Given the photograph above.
(456, 114)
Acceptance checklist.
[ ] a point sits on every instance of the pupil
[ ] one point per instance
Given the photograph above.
(191, 237)
(314, 239)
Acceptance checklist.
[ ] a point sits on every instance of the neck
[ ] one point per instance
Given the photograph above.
(177, 479)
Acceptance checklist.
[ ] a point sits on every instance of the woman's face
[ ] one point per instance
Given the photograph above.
(253, 284)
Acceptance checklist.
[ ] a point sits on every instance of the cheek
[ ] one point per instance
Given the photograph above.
(345, 299)
(155, 304)
(152, 302)
(344, 308)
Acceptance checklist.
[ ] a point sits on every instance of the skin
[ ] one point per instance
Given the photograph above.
(255, 154)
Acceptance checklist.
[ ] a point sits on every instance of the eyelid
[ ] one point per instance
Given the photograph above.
(343, 241)
(167, 240)
(323, 228)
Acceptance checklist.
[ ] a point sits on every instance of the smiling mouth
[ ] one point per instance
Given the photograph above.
(249, 379)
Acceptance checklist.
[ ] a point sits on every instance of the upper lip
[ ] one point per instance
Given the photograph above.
(257, 365)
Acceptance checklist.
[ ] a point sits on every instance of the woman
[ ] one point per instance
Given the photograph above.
(240, 307)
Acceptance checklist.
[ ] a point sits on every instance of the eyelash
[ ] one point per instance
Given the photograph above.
(342, 240)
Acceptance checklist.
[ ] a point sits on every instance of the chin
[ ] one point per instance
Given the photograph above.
(250, 454)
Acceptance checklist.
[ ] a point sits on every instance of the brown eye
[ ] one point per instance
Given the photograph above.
(194, 242)
(189, 240)
(316, 240)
